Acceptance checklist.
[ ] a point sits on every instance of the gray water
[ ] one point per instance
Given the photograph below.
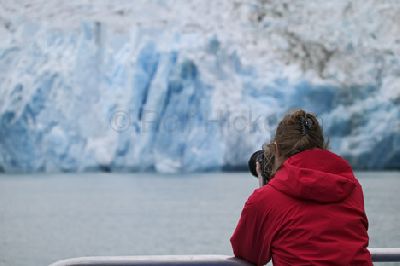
(44, 218)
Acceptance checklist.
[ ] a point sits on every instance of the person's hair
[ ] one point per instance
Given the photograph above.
(298, 131)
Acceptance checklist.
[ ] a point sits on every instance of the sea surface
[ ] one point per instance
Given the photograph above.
(48, 217)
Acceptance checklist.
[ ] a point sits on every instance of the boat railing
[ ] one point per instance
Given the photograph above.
(378, 255)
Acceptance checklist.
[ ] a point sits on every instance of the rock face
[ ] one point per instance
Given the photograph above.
(185, 86)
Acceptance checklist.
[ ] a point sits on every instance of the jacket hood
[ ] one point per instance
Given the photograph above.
(317, 175)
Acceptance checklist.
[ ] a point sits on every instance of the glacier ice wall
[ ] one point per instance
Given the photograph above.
(185, 86)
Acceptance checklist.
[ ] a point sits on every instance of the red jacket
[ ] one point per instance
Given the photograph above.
(310, 213)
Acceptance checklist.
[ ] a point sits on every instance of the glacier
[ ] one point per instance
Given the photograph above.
(192, 86)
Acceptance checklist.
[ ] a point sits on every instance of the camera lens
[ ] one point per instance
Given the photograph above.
(258, 156)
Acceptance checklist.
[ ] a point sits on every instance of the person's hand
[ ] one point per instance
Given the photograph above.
(258, 168)
(259, 174)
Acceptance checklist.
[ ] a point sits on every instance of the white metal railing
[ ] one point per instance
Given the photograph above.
(181, 260)
(378, 255)
(385, 254)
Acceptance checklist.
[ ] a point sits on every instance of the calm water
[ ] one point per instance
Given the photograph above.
(44, 218)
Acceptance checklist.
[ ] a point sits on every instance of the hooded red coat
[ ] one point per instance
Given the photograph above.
(310, 213)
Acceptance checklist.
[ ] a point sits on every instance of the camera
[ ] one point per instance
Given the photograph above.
(266, 160)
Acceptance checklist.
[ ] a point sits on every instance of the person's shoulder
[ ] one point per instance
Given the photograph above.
(263, 196)
(267, 201)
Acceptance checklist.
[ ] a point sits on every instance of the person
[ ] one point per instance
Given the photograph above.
(311, 212)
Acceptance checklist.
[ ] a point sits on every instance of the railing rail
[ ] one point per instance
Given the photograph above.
(378, 255)
(181, 260)
(385, 254)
